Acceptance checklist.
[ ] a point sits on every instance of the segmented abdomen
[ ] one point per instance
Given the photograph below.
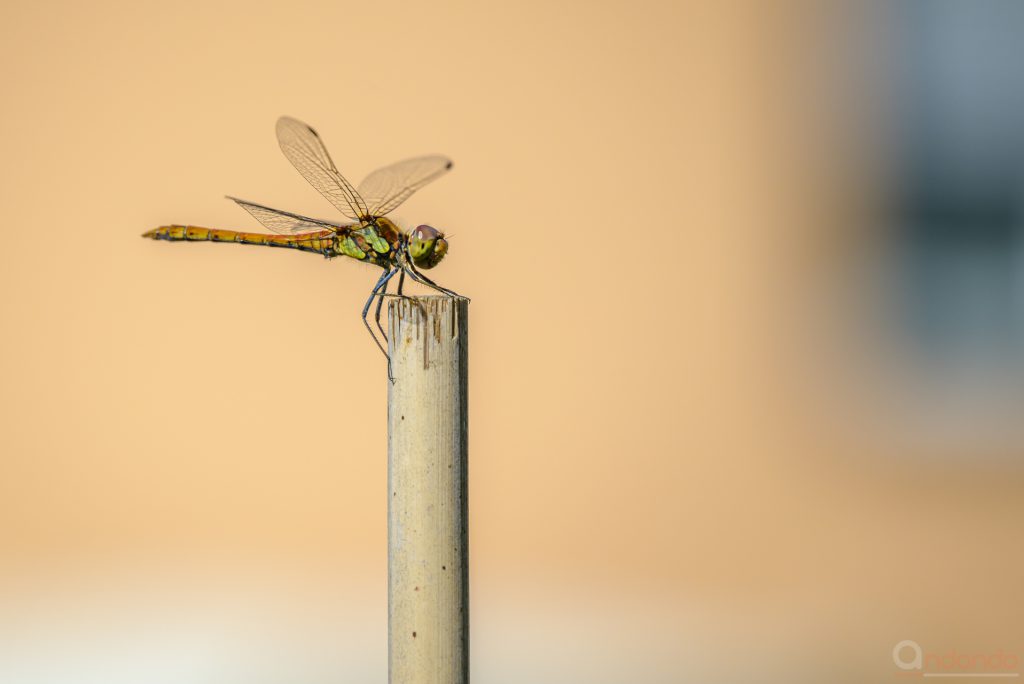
(321, 242)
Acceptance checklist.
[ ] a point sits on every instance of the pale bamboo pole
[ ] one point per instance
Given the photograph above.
(428, 568)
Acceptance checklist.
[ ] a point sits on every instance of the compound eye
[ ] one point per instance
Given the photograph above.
(426, 233)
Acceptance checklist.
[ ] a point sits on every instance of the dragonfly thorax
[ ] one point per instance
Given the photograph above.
(385, 228)
(375, 240)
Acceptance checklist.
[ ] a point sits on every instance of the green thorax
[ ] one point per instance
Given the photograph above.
(375, 241)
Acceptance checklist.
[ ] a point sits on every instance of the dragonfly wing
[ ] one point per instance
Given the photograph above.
(387, 187)
(283, 221)
(304, 149)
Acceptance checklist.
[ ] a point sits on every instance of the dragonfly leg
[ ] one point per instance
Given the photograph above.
(401, 284)
(380, 302)
(424, 280)
(430, 283)
(366, 310)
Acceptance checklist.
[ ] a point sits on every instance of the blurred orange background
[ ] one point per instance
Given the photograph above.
(698, 449)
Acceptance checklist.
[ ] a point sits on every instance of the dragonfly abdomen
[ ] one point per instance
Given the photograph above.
(319, 242)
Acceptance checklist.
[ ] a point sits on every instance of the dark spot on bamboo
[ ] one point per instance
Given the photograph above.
(415, 588)
(414, 635)
(444, 567)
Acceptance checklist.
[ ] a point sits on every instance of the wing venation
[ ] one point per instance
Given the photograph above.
(307, 153)
(284, 222)
(389, 186)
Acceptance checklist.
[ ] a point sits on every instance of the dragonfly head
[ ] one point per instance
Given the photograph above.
(427, 246)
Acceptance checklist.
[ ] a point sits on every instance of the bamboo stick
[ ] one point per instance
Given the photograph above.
(428, 569)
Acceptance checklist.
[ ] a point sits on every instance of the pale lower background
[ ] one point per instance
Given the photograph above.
(699, 449)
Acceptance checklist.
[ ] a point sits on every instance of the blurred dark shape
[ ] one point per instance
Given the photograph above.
(958, 163)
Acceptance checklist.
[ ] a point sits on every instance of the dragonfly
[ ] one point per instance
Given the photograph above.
(370, 237)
